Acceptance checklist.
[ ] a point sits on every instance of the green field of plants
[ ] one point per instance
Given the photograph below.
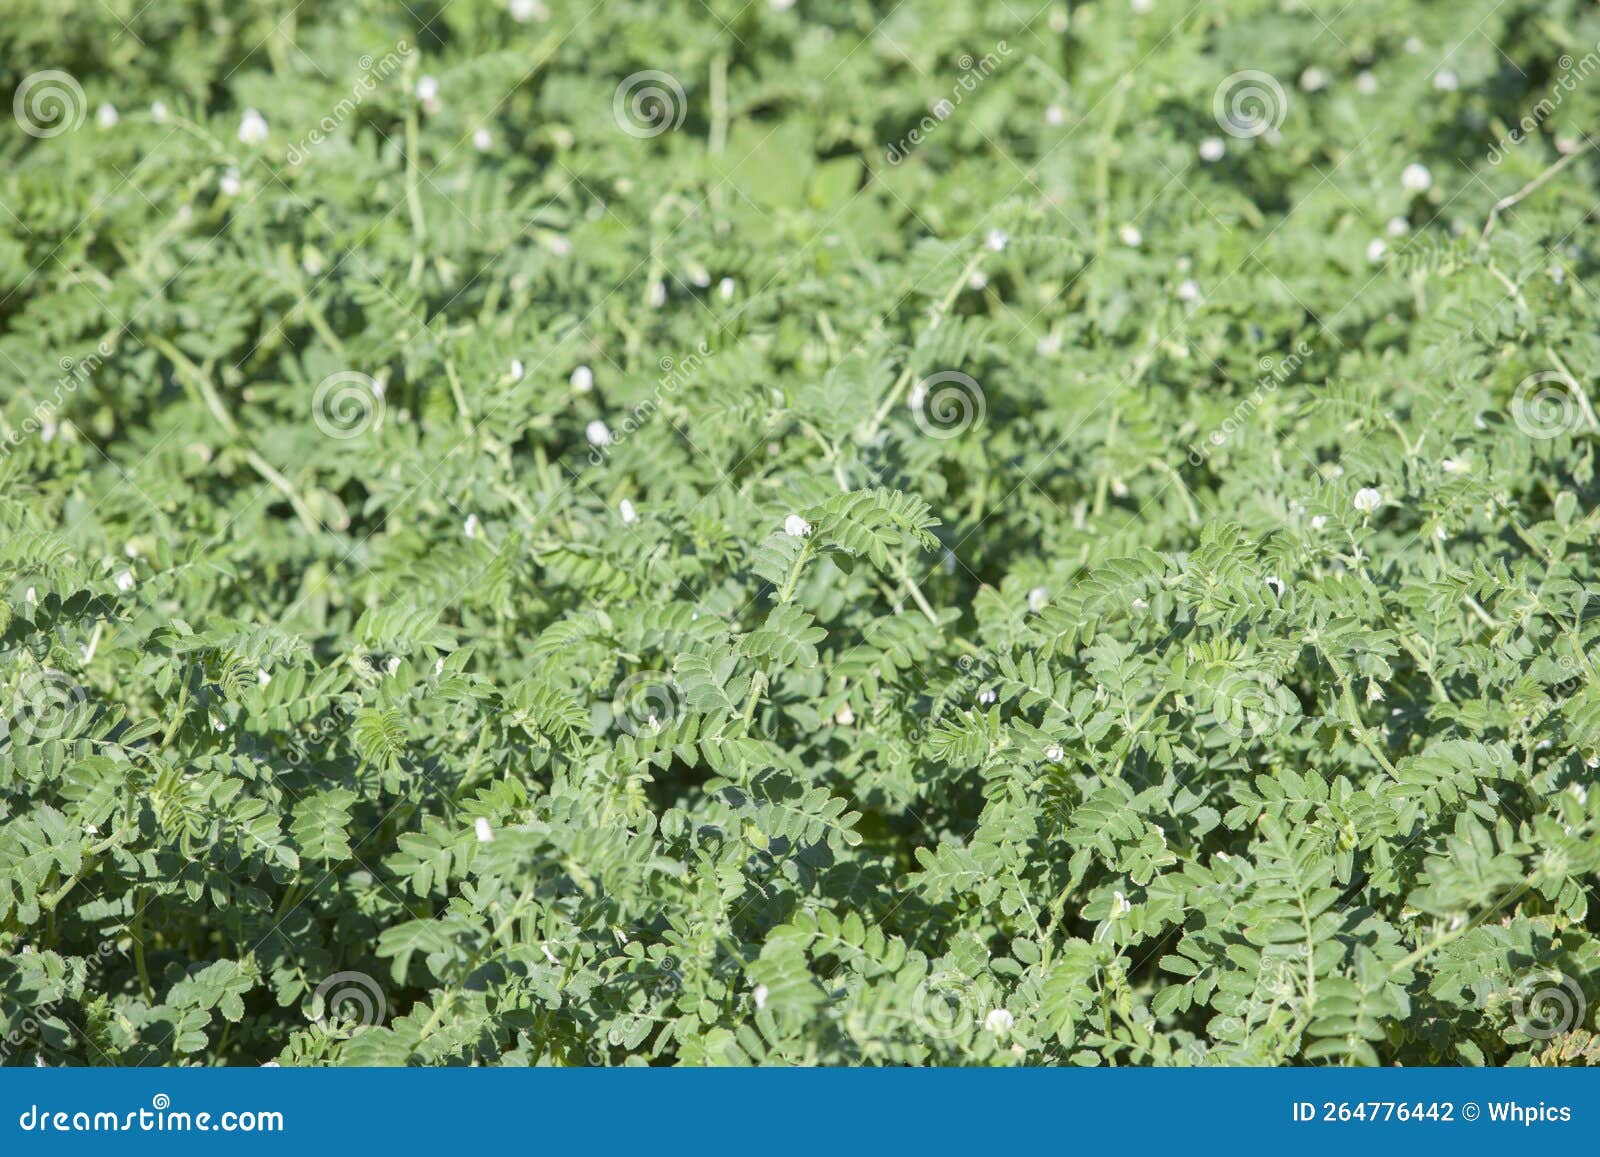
(799, 532)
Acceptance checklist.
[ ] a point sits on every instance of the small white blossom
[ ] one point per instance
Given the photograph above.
(1397, 227)
(393, 664)
(1213, 149)
(1367, 499)
(1188, 290)
(270, 1065)
(482, 139)
(1413, 45)
(523, 11)
(999, 1021)
(1455, 466)
(1054, 753)
(1120, 905)
(1055, 115)
(1313, 79)
(1416, 178)
(484, 832)
(978, 280)
(263, 676)
(106, 116)
(1140, 605)
(1037, 598)
(470, 527)
(428, 89)
(125, 581)
(796, 527)
(987, 696)
(229, 183)
(1374, 692)
(844, 717)
(725, 289)
(1131, 237)
(598, 433)
(252, 128)
(517, 369)
(1445, 80)
(629, 514)
(1141, 6)
(760, 993)
(582, 379)
(917, 395)
(1318, 521)
(1376, 248)
(1275, 583)
(658, 294)
(1366, 83)
(158, 112)
(996, 240)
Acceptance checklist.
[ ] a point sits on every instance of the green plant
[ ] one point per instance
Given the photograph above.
(579, 537)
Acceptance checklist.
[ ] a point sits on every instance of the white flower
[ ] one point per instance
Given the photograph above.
(598, 433)
(158, 112)
(1141, 6)
(1374, 692)
(987, 696)
(484, 832)
(1376, 248)
(1366, 83)
(1055, 115)
(1367, 499)
(1455, 466)
(844, 717)
(978, 280)
(1445, 80)
(1416, 178)
(1213, 149)
(482, 139)
(252, 128)
(658, 294)
(1397, 227)
(1188, 290)
(1318, 521)
(1140, 605)
(760, 993)
(1054, 753)
(106, 116)
(428, 89)
(517, 369)
(1413, 45)
(470, 527)
(522, 11)
(1131, 237)
(999, 1021)
(394, 664)
(1275, 583)
(780, 5)
(229, 183)
(1120, 905)
(1313, 79)
(1037, 598)
(125, 581)
(917, 395)
(629, 514)
(270, 1065)
(725, 288)
(582, 379)
(263, 676)
(796, 527)
(996, 240)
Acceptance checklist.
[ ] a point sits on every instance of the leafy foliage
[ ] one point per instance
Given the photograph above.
(486, 581)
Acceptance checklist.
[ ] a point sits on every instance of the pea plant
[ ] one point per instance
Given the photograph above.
(799, 533)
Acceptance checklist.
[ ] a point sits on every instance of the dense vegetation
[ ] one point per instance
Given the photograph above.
(838, 532)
